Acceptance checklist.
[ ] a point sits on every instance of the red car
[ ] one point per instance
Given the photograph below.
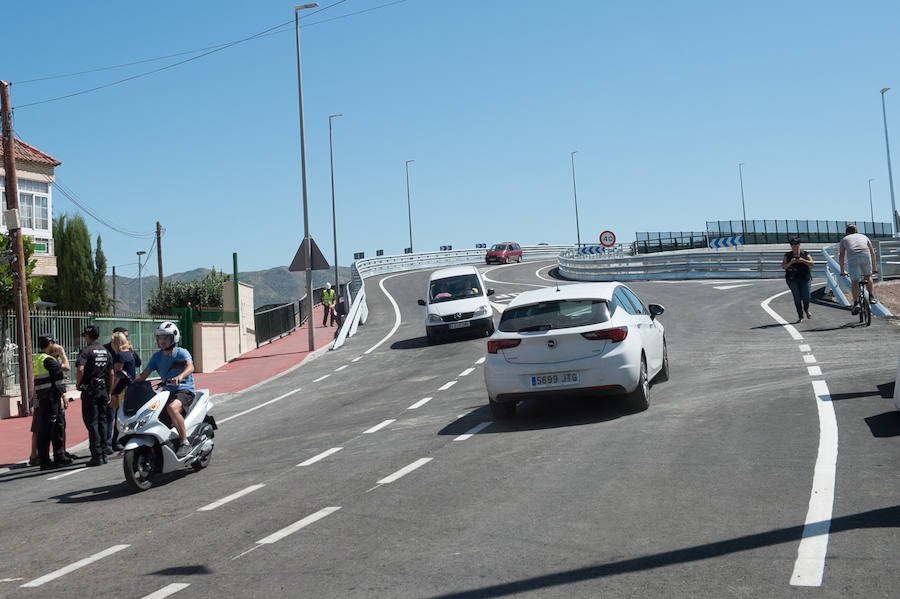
(504, 253)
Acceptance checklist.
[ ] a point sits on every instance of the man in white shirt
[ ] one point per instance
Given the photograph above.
(860, 262)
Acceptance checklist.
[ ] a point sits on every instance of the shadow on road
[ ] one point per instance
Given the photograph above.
(885, 425)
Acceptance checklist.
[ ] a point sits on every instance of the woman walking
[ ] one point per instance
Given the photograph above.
(798, 275)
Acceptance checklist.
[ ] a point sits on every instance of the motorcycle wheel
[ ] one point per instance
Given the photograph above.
(201, 463)
(138, 466)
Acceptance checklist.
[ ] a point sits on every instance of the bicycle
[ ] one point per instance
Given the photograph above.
(865, 308)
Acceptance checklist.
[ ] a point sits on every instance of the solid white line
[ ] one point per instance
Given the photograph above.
(473, 431)
(809, 568)
(72, 567)
(787, 327)
(288, 530)
(724, 287)
(321, 456)
(68, 473)
(404, 471)
(336, 369)
(231, 497)
(814, 370)
(262, 405)
(809, 359)
(356, 359)
(466, 371)
(480, 360)
(396, 312)
(322, 378)
(378, 427)
(804, 348)
(419, 403)
(167, 590)
(446, 386)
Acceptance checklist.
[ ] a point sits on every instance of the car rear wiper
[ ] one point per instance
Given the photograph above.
(536, 327)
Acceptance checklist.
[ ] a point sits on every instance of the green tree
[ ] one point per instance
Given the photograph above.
(72, 289)
(101, 302)
(199, 292)
(34, 285)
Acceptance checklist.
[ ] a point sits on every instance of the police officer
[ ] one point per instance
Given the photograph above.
(50, 388)
(94, 371)
(328, 302)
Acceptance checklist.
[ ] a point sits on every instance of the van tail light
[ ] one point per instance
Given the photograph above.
(614, 335)
(497, 344)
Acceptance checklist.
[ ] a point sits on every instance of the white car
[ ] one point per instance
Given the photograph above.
(457, 304)
(583, 339)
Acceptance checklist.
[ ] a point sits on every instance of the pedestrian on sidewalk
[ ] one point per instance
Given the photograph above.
(49, 390)
(94, 368)
(113, 432)
(798, 276)
(124, 359)
(340, 311)
(328, 302)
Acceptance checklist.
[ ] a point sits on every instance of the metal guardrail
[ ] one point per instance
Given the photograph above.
(888, 265)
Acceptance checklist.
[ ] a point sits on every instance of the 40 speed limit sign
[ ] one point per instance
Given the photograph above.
(608, 239)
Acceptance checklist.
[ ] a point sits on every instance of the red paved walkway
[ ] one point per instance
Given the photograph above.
(241, 373)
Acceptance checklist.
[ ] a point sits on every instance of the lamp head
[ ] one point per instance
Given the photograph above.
(305, 6)
(884, 90)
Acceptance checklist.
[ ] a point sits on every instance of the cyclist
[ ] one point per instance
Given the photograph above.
(860, 262)
(174, 364)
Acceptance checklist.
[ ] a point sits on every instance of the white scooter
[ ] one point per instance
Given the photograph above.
(150, 440)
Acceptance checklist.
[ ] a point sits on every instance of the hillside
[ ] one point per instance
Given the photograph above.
(272, 286)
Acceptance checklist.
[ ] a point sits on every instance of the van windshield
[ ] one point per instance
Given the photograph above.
(452, 288)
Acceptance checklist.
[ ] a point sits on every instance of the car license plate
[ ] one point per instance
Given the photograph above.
(555, 379)
(459, 325)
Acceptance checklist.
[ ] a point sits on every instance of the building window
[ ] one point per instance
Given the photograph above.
(34, 204)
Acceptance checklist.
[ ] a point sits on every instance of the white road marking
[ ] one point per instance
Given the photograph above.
(503, 296)
(809, 569)
(473, 431)
(404, 471)
(787, 327)
(480, 360)
(446, 386)
(4, 471)
(321, 456)
(378, 427)
(232, 497)
(262, 405)
(466, 371)
(289, 530)
(72, 567)
(341, 368)
(805, 348)
(814, 370)
(419, 403)
(68, 473)
(322, 378)
(498, 307)
(356, 359)
(724, 287)
(809, 358)
(167, 590)
(396, 312)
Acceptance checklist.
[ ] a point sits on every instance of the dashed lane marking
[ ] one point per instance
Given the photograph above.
(321, 456)
(341, 368)
(473, 431)
(466, 372)
(166, 591)
(446, 386)
(262, 405)
(419, 403)
(378, 427)
(404, 471)
(75, 566)
(232, 497)
(814, 370)
(289, 530)
(322, 378)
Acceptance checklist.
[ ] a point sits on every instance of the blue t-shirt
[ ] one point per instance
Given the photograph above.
(167, 369)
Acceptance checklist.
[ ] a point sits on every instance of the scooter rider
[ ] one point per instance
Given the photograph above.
(174, 364)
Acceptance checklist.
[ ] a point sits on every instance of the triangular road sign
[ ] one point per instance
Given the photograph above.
(318, 259)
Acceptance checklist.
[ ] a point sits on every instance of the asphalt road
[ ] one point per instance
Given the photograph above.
(376, 471)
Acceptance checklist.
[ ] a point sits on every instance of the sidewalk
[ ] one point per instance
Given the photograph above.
(249, 369)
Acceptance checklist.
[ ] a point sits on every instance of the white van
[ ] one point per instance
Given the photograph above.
(457, 304)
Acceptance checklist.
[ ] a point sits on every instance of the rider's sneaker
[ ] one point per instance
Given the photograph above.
(855, 309)
(873, 299)
(183, 450)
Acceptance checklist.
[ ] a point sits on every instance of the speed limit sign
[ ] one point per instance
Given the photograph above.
(608, 239)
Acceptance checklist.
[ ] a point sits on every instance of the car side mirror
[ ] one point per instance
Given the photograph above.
(421, 302)
(655, 310)
(490, 292)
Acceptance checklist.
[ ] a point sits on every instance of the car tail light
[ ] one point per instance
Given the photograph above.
(614, 335)
(497, 344)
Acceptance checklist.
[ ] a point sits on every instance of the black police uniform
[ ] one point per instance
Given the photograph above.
(49, 387)
(95, 397)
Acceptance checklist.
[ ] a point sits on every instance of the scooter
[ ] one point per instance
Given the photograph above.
(150, 440)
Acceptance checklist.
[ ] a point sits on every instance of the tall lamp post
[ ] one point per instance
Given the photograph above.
(575, 191)
(743, 206)
(409, 205)
(306, 239)
(141, 280)
(871, 209)
(337, 286)
(890, 174)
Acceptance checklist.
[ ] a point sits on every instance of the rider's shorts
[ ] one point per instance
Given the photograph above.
(859, 266)
(185, 396)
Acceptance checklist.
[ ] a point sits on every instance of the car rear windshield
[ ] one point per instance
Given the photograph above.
(451, 288)
(561, 314)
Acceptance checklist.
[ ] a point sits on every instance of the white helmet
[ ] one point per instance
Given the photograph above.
(169, 329)
(327, 285)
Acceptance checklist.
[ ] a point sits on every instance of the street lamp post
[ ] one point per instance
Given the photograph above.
(309, 298)
(890, 174)
(743, 206)
(337, 286)
(141, 281)
(409, 205)
(871, 209)
(575, 191)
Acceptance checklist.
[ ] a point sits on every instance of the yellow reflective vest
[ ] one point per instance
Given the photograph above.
(328, 297)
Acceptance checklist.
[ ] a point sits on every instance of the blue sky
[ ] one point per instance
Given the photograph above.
(661, 100)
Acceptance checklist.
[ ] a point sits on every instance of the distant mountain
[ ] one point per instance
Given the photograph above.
(272, 286)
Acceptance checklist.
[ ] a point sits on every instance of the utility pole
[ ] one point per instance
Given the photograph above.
(159, 252)
(115, 303)
(20, 282)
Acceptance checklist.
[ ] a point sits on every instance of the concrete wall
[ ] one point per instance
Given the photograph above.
(215, 344)
(248, 323)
